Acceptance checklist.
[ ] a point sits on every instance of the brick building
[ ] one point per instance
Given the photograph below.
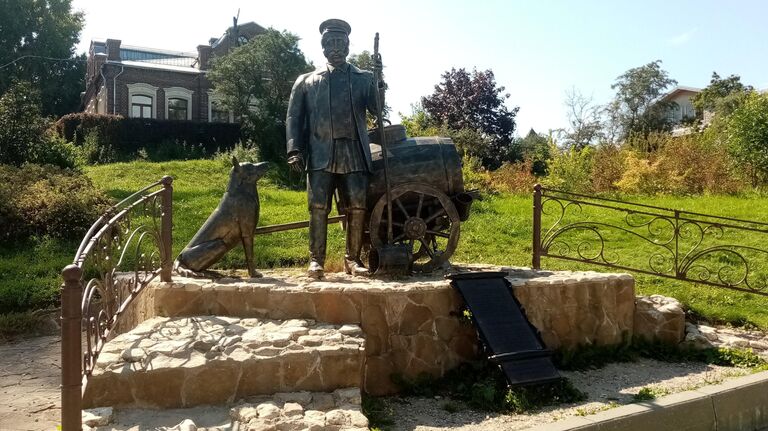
(156, 83)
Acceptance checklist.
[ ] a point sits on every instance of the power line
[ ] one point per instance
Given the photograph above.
(41, 58)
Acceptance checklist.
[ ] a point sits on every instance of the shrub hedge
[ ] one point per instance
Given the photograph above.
(127, 137)
(45, 200)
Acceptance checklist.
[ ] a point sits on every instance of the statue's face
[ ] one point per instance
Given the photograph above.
(335, 48)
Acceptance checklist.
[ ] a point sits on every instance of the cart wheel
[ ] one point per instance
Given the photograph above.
(424, 219)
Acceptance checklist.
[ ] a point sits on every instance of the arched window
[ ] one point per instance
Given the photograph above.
(142, 100)
(141, 106)
(178, 103)
(177, 109)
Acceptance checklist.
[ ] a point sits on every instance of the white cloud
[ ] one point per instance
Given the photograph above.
(682, 38)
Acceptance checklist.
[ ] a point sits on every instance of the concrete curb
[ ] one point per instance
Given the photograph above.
(740, 404)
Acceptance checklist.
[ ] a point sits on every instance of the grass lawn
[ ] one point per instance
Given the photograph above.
(498, 232)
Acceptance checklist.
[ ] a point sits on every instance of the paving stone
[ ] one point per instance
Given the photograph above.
(185, 362)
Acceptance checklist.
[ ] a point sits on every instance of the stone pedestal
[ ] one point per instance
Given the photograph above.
(410, 326)
(577, 308)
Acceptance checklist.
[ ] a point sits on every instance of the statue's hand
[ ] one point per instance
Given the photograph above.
(296, 163)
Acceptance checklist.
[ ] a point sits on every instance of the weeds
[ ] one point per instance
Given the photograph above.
(586, 357)
(379, 413)
(648, 393)
(482, 385)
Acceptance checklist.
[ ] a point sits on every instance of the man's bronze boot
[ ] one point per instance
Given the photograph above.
(318, 229)
(355, 229)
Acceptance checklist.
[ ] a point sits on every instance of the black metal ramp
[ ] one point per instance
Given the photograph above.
(511, 340)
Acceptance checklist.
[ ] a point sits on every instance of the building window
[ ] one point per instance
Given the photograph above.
(177, 109)
(142, 100)
(178, 103)
(141, 106)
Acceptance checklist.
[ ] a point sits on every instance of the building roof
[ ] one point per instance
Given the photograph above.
(679, 89)
(151, 58)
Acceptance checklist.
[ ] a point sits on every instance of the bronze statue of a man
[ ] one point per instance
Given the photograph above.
(326, 122)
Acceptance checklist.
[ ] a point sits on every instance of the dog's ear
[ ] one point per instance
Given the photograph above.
(235, 163)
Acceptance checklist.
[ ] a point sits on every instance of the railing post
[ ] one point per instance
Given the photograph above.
(71, 354)
(166, 227)
(536, 262)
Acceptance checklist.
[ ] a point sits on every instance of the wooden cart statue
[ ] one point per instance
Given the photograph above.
(428, 199)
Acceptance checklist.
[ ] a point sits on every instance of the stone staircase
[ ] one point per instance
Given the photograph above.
(183, 362)
(238, 346)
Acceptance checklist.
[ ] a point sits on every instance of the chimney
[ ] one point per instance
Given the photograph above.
(203, 56)
(113, 49)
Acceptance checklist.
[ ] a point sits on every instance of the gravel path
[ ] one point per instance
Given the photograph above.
(30, 399)
(606, 388)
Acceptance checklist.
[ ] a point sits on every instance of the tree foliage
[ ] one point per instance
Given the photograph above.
(536, 149)
(721, 96)
(585, 126)
(25, 136)
(255, 80)
(37, 41)
(364, 61)
(464, 101)
(746, 133)
(636, 108)
(22, 128)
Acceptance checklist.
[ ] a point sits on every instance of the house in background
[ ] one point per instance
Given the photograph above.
(141, 82)
(681, 109)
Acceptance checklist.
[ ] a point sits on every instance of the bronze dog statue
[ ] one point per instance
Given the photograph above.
(231, 223)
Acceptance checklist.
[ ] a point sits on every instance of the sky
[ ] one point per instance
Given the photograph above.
(537, 50)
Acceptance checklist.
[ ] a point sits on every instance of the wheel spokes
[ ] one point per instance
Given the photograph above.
(427, 248)
(435, 215)
(421, 202)
(402, 207)
(440, 234)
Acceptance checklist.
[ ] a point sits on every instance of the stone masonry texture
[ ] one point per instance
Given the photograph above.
(180, 362)
(411, 326)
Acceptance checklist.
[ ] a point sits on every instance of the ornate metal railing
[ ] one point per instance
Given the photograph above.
(719, 251)
(125, 249)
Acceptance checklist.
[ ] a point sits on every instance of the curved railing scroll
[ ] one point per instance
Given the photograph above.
(122, 252)
(719, 251)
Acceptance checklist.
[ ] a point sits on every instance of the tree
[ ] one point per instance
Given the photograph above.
(464, 101)
(585, 127)
(364, 61)
(535, 147)
(746, 133)
(636, 108)
(721, 96)
(37, 41)
(255, 80)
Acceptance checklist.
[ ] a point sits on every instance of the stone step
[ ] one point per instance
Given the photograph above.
(188, 361)
(313, 411)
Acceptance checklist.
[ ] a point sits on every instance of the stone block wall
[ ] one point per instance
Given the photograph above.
(577, 308)
(410, 326)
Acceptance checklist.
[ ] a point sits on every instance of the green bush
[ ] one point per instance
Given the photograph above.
(746, 133)
(108, 138)
(94, 152)
(691, 164)
(570, 169)
(40, 200)
(25, 136)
